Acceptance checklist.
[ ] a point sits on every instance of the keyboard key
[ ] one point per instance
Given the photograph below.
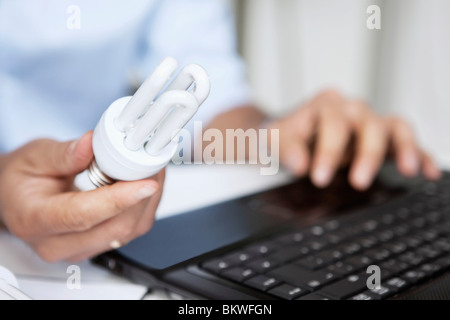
(261, 248)
(396, 247)
(388, 219)
(312, 263)
(288, 254)
(238, 257)
(442, 244)
(429, 235)
(362, 296)
(331, 225)
(385, 235)
(300, 277)
(317, 231)
(418, 208)
(262, 265)
(345, 233)
(313, 296)
(315, 245)
(412, 241)
(431, 188)
(434, 217)
(394, 266)
(347, 287)
(217, 265)
(319, 260)
(341, 269)
(397, 284)
(378, 254)
(330, 256)
(382, 292)
(419, 222)
(430, 269)
(370, 225)
(414, 276)
(412, 258)
(290, 238)
(332, 238)
(444, 200)
(403, 213)
(238, 274)
(359, 261)
(262, 283)
(429, 252)
(288, 292)
(401, 230)
(444, 263)
(350, 248)
(367, 242)
(444, 227)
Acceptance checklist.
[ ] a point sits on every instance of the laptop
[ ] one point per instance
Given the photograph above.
(296, 242)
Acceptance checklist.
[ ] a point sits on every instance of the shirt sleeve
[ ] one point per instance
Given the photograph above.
(202, 32)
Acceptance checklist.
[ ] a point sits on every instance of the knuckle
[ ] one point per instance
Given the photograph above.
(37, 143)
(75, 221)
(376, 122)
(372, 123)
(330, 93)
(340, 126)
(361, 104)
(402, 124)
(396, 120)
(117, 205)
(360, 110)
(18, 227)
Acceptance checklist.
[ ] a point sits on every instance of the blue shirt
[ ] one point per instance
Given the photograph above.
(63, 62)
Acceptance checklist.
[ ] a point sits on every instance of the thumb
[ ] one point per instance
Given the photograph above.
(80, 211)
(68, 158)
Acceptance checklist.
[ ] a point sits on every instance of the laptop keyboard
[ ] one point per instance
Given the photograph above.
(408, 239)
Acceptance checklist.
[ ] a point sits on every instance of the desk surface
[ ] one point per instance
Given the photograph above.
(186, 188)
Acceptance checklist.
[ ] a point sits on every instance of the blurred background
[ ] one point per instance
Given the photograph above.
(295, 48)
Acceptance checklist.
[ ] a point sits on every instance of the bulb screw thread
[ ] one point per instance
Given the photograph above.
(97, 177)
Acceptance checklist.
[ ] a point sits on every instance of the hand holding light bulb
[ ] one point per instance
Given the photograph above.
(38, 201)
(137, 136)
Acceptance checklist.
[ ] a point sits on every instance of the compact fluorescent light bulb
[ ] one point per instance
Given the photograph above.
(137, 136)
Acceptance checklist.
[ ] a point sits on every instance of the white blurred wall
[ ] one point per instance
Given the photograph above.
(295, 48)
(414, 78)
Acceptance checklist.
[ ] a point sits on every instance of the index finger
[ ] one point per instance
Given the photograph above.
(81, 211)
(333, 137)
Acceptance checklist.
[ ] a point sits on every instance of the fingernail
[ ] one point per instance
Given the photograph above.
(362, 177)
(73, 146)
(146, 191)
(321, 176)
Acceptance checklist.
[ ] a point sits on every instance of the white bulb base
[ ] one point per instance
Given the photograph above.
(137, 136)
(114, 161)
